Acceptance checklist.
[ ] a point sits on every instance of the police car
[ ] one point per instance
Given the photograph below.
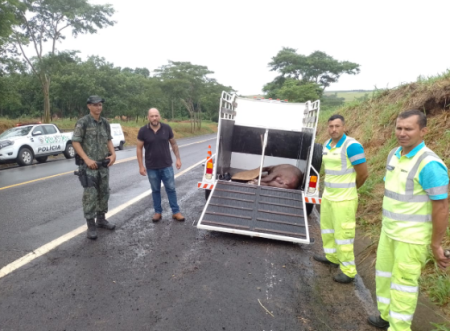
(26, 142)
(118, 138)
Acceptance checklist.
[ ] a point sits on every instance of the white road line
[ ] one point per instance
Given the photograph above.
(66, 237)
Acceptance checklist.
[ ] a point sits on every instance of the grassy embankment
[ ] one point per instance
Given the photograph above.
(372, 123)
(130, 128)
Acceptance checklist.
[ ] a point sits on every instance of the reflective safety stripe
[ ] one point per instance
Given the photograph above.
(384, 300)
(339, 172)
(406, 197)
(348, 263)
(344, 242)
(344, 169)
(380, 273)
(391, 154)
(327, 231)
(404, 288)
(406, 217)
(357, 157)
(409, 187)
(403, 317)
(413, 171)
(437, 190)
(340, 185)
(329, 250)
(348, 141)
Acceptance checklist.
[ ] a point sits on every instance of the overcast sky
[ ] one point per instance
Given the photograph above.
(394, 41)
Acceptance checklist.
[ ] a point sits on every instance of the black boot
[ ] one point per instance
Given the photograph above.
(378, 322)
(323, 259)
(103, 223)
(92, 230)
(343, 278)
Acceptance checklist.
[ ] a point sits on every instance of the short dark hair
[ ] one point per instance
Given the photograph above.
(337, 117)
(422, 117)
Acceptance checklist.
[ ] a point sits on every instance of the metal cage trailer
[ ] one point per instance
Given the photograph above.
(257, 133)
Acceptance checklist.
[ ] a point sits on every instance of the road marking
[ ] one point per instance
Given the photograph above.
(36, 180)
(71, 172)
(66, 237)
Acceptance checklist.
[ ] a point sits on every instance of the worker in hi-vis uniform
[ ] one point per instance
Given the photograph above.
(345, 171)
(415, 215)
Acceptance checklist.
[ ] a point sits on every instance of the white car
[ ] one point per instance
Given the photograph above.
(38, 141)
(118, 136)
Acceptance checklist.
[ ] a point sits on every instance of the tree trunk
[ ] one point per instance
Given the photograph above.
(172, 109)
(199, 116)
(46, 89)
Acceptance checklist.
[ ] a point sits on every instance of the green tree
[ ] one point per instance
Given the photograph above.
(297, 91)
(8, 18)
(45, 21)
(331, 101)
(317, 68)
(211, 98)
(191, 82)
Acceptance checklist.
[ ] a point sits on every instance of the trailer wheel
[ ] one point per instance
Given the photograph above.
(316, 161)
(207, 193)
(309, 208)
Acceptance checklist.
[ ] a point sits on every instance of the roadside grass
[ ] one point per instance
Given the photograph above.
(440, 327)
(372, 123)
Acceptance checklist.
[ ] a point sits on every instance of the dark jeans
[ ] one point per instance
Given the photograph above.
(155, 176)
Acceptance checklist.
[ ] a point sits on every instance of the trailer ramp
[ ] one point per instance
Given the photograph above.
(257, 211)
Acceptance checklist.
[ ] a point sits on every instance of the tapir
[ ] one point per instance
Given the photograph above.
(282, 175)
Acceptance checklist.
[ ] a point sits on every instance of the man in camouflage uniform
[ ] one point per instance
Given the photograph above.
(92, 142)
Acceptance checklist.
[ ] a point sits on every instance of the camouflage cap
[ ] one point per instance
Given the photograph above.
(95, 99)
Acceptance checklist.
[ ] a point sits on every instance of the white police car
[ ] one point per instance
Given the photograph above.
(118, 138)
(26, 142)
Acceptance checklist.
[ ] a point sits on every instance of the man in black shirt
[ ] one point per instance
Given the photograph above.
(155, 138)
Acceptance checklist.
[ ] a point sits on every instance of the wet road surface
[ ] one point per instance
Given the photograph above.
(159, 276)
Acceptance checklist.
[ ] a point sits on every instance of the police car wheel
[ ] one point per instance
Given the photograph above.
(69, 153)
(42, 159)
(25, 156)
(121, 146)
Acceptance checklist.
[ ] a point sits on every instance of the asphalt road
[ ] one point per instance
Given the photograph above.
(163, 276)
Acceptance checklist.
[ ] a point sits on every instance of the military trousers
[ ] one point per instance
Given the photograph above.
(397, 273)
(95, 198)
(337, 224)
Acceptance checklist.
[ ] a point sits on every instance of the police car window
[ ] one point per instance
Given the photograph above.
(50, 129)
(16, 132)
(38, 128)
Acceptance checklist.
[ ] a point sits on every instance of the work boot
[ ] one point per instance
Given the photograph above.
(378, 322)
(103, 223)
(178, 217)
(156, 218)
(323, 259)
(92, 230)
(343, 278)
